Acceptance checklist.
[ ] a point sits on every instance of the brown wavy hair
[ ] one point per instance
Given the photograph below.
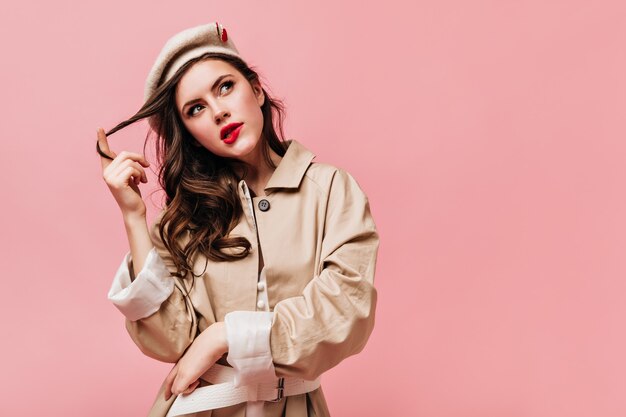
(200, 187)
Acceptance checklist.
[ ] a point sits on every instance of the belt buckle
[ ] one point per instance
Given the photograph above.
(280, 388)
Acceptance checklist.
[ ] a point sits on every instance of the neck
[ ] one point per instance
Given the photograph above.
(259, 171)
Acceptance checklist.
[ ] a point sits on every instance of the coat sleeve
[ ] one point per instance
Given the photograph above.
(158, 318)
(334, 316)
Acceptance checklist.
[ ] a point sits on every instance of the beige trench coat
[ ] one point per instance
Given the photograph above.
(318, 244)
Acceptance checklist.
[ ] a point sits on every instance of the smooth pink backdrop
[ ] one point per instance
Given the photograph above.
(489, 136)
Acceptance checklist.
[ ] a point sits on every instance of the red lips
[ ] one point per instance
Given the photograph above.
(228, 128)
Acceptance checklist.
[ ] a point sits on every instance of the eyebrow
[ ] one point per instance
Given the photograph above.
(196, 100)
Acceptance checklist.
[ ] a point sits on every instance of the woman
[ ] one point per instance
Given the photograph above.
(257, 276)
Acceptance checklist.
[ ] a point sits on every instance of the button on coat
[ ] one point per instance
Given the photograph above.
(264, 205)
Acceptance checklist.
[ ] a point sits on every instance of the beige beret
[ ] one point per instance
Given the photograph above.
(184, 46)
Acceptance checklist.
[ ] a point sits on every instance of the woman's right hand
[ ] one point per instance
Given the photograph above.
(123, 175)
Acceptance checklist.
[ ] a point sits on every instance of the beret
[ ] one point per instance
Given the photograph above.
(184, 46)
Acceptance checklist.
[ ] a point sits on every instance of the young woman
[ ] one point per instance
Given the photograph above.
(258, 274)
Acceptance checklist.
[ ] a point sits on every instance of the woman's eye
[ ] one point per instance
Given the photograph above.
(190, 111)
(229, 83)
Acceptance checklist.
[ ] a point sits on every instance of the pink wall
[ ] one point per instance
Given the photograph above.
(489, 136)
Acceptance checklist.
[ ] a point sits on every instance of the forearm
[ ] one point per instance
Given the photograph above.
(315, 332)
(138, 240)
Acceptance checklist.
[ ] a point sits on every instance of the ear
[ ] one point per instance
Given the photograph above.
(258, 92)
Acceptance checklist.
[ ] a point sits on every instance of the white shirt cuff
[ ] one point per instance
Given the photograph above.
(248, 335)
(143, 296)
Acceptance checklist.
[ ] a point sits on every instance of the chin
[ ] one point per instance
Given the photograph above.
(244, 146)
(240, 149)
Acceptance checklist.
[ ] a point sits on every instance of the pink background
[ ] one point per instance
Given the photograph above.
(489, 136)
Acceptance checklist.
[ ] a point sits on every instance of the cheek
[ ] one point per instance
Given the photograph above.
(193, 129)
(259, 115)
(255, 111)
(200, 134)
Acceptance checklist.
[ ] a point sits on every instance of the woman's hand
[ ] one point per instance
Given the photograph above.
(205, 350)
(122, 175)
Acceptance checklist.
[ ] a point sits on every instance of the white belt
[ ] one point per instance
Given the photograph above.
(223, 392)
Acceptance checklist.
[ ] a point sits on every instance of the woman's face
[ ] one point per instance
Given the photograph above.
(213, 94)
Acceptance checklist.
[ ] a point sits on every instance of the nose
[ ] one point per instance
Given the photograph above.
(221, 115)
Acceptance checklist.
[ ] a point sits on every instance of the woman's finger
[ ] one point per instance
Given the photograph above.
(143, 177)
(181, 383)
(123, 159)
(123, 166)
(104, 147)
(169, 380)
(130, 175)
(134, 156)
(192, 387)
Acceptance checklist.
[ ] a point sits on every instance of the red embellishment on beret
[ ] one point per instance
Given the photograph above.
(223, 36)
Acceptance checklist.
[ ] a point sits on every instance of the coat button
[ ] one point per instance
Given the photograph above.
(264, 205)
(260, 304)
(260, 286)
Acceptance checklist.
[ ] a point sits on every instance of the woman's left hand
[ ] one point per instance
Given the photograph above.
(205, 350)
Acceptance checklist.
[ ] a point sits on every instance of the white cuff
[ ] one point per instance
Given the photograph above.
(248, 335)
(143, 296)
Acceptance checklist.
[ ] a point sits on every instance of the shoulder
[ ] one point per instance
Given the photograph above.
(321, 173)
(328, 176)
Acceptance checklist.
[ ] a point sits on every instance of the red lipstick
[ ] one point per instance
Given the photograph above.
(232, 131)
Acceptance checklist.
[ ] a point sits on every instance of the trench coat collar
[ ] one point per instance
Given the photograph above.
(292, 166)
